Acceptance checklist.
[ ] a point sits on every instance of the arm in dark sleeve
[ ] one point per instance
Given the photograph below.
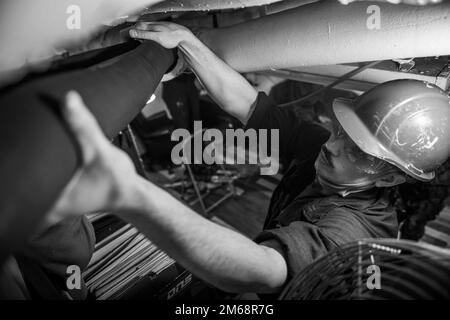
(38, 156)
(301, 243)
(298, 139)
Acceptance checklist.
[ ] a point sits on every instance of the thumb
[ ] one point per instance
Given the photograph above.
(83, 126)
(143, 35)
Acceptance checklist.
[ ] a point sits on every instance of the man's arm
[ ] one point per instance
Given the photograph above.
(107, 181)
(218, 255)
(231, 91)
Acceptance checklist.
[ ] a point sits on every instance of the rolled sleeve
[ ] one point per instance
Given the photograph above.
(300, 244)
(303, 242)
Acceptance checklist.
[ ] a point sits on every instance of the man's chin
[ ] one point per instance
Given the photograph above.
(323, 181)
(343, 188)
(325, 184)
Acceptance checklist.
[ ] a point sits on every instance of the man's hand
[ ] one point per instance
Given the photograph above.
(263, 82)
(167, 34)
(230, 90)
(105, 173)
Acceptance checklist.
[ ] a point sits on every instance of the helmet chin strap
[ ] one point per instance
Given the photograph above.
(345, 189)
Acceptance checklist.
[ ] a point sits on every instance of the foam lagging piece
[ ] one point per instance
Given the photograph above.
(38, 155)
(74, 62)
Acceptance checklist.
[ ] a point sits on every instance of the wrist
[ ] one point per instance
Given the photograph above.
(187, 39)
(131, 196)
(193, 50)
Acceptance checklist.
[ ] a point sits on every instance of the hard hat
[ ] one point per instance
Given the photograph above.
(404, 122)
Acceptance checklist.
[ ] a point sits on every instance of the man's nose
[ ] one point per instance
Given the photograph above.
(331, 148)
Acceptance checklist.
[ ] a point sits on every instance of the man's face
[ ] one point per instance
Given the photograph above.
(342, 163)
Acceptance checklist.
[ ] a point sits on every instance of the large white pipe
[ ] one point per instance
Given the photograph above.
(331, 33)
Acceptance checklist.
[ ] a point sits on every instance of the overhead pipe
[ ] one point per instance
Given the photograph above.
(328, 32)
(413, 2)
(205, 5)
(286, 5)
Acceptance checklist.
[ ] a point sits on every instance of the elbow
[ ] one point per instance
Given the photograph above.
(262, 287)
(275, 272)
(266, 277)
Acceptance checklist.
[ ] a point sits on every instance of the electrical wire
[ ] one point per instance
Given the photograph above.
(331, 85)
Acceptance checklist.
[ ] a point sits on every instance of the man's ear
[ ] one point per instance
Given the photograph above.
(390, 180)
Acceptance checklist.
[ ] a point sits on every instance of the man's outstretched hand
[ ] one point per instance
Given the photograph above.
(168, 34)
(105, 174)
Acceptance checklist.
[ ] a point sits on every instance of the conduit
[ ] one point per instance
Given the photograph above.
(331, 33)
(37, 154)
(205, 5)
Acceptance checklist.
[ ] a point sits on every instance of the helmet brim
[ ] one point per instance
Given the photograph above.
(367, 142)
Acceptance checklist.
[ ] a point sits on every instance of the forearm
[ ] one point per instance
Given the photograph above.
(218, 255)
(231, 91)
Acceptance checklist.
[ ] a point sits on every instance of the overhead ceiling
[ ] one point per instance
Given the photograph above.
(30, 30)
(202, 5)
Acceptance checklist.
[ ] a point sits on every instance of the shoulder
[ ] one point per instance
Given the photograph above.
(375, 220)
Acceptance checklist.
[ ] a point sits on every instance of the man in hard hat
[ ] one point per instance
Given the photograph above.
(334, 191)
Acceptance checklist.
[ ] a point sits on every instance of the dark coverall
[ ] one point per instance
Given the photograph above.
(302, 224)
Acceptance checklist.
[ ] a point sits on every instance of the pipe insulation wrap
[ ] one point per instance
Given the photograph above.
(37, 153)
(327, 32)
